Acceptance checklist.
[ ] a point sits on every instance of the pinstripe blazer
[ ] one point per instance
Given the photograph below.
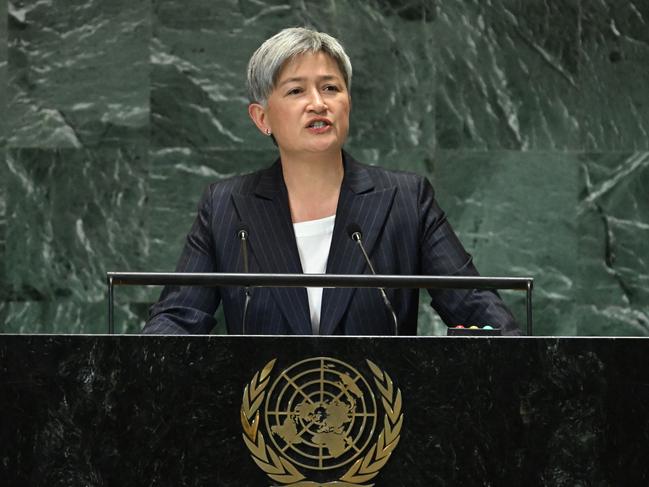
(404, 231)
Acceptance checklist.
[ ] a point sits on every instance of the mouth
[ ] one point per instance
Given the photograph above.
(319, 123)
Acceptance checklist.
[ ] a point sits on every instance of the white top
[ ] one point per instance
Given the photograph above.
(313, 242)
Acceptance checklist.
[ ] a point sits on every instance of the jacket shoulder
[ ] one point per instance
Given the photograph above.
(388, 178)
(239, 184)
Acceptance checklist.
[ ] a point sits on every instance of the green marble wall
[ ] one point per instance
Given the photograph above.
(531, 117)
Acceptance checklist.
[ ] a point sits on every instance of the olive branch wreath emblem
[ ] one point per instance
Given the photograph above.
(282, 470)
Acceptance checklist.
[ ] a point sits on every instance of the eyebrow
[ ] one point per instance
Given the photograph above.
(327, 77)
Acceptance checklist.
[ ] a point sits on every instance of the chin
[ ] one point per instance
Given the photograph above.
(332, 149)
(325, 146)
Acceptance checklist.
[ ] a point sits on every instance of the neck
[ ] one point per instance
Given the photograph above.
(313, 183)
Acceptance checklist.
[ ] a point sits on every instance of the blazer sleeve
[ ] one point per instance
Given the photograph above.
(190, 309)
(442, 253)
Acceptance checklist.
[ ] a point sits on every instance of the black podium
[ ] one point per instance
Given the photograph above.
(260, 411)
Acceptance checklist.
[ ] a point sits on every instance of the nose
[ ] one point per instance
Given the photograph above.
(316, 102)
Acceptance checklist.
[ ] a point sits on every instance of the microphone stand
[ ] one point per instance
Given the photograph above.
(243, 236)
(358, 238)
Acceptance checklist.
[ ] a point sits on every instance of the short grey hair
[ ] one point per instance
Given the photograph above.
(267, 61)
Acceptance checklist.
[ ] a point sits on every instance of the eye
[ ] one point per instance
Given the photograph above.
(333, 88)
(294, 91)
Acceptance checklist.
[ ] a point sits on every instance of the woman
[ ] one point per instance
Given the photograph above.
(299, 210)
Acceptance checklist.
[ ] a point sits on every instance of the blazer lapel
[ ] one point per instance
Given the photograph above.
(358, 203)
(272, 242)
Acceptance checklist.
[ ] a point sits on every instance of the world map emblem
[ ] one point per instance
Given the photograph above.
(321, 422)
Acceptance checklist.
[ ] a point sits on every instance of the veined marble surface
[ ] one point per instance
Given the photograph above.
(613, 244)
(508, 74)
(79, 73)
(517, 211)
(73, 214)
(530, 117)
(3, 71)
(614, 68)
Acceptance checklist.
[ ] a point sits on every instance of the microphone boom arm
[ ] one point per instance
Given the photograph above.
(357, 237)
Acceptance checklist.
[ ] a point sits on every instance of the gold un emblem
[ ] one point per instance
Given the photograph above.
(319, 418)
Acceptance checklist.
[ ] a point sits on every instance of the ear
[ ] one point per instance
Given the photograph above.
(257, 113)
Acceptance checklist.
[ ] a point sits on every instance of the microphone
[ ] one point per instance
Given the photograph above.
(355, 233)
(242, 235)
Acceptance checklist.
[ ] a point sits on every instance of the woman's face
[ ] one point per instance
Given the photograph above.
(308, 110)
